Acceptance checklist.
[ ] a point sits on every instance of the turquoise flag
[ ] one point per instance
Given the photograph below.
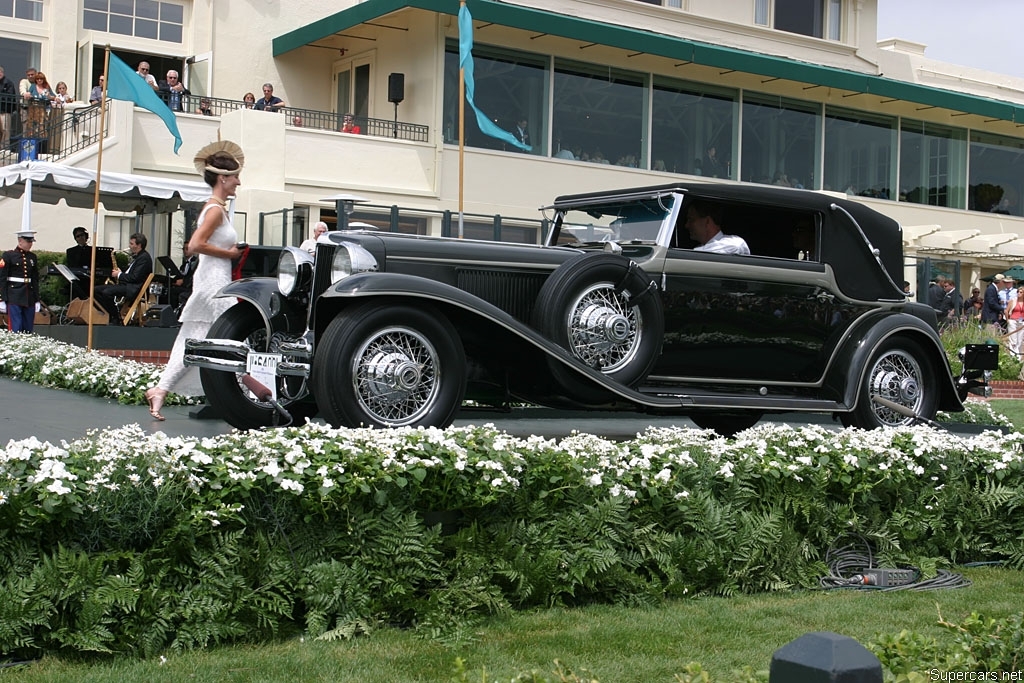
(487, 127)
(124, 84)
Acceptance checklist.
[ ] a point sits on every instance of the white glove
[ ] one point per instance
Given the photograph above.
(3, 306)
(38, 307)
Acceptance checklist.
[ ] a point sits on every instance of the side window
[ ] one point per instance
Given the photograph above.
(775, 232)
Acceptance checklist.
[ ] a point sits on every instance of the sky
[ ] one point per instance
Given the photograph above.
(985, 34)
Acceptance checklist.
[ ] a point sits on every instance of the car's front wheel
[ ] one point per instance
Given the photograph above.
(389, 366)
(899, 373)
(225, 391)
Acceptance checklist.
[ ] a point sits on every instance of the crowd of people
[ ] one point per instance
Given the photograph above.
(35, 108)
(1000, 307)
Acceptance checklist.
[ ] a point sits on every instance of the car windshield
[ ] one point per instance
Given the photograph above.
(633, 221)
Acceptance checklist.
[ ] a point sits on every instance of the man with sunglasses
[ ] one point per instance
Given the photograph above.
(19, 284)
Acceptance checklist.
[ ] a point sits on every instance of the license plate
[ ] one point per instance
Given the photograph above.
(262, 367)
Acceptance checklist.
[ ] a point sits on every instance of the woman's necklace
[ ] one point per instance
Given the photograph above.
(218, 201)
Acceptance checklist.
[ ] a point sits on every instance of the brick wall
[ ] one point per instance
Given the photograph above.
(1003, 388)
(140, 355)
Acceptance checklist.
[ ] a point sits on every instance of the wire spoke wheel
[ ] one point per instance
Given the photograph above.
(394, 374)
(604, 331)
(896, 376)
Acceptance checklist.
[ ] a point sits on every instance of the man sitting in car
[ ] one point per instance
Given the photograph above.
(703, 221)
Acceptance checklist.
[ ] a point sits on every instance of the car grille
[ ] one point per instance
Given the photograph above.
(322, 269)
(513, 292)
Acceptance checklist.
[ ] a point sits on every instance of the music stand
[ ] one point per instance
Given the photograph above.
(173, 273)
(67, 275)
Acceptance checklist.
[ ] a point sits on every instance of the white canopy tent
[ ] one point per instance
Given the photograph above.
(48, 183)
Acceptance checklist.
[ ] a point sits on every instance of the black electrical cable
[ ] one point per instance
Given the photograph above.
(849, 565)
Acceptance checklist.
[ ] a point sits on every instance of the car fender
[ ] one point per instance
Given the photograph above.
(401, 286)
(261, 293)
(851, 361)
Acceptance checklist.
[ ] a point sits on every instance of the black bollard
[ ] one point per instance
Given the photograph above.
(824, 657)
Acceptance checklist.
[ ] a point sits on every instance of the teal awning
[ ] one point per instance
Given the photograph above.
(681, 49)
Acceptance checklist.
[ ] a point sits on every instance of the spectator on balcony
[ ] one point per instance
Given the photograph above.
(26, 83)
(8, 103)
(150, 79)
(39, 98)
(248, 100)
(297, 121)
(348, 125)
(269, 102)
(173, 91)
(204, 107)
(96, 96)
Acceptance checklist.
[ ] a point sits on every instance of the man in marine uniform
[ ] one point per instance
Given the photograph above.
(19, 284)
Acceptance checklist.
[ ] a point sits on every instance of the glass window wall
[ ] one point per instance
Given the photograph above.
(860, 153)
(510, 87)
(997, 174)
(932, 164)
(599, 114)
(693, 128)
(780, 137)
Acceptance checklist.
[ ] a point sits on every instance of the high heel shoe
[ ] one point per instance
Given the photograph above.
(155, 405)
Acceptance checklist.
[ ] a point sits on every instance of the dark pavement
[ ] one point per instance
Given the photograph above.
(54, 415)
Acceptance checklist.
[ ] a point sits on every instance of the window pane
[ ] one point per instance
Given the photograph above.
(94, 21)
(599, 114)
(122, 25)
(147, 9)
(510, 86)
(779, 141)
(859, 153)
(761, 12)
(6, 8)
(997, 174)
(145, 28)
(835, 19)
(170, 32)
(126, 7)
(361, 92)
(171, 12)
(799, 16)
(692, 129)
(96, 4)
(932, 160)
(29, 9)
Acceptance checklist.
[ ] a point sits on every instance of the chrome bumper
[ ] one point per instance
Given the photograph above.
(229, 355)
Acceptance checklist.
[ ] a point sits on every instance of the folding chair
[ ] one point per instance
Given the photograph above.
(137, 310)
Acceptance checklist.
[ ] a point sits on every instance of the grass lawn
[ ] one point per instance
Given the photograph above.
(1011, 408)
(614, 644)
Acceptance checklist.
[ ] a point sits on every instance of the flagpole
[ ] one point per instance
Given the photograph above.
(462, 131)
(96, 197)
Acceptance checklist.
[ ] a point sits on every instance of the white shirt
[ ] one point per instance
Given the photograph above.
(150, 79)
(725, 244)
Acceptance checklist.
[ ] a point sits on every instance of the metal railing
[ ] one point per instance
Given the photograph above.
(312, 118)
(52, 133)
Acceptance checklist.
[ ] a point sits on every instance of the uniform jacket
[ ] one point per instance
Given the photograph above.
(19, 278)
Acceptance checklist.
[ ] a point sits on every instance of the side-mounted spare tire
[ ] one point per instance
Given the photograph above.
(605, 310)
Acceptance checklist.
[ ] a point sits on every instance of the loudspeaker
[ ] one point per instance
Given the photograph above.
(160, 315)
(396, 87)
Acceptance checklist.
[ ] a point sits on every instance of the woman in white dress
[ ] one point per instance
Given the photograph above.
(214, 240)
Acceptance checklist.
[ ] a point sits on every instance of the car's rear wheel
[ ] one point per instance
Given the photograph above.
(899, 372)
(389, 366)
(726, 423)
(605, 310)
(225, 391)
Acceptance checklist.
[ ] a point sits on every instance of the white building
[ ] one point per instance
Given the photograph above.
(614, 93)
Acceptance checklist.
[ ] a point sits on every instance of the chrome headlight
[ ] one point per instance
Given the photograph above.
(294, 269)
(350, 259)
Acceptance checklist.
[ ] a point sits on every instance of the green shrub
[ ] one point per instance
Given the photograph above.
(962, 332)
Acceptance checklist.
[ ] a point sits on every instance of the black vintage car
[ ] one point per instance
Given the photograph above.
(616, 311)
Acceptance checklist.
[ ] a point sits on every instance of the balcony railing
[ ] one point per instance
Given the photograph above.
(312, 118)
(55, 132)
